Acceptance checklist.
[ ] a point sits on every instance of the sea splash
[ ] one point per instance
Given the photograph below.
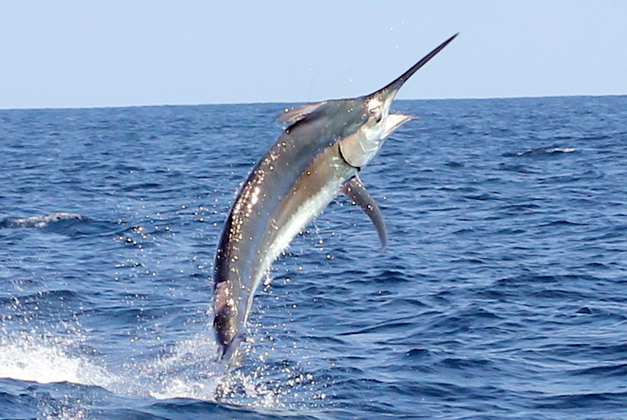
(189, 369)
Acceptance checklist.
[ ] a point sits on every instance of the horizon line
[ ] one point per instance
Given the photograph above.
(303, 102)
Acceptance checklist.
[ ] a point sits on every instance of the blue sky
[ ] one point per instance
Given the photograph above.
(118, 53)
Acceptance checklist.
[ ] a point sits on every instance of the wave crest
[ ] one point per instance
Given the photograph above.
(38, 222)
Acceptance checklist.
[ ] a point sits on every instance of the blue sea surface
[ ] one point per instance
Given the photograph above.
(502, 293)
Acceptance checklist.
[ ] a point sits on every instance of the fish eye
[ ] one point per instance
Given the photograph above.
(374, 107)
(376, 114)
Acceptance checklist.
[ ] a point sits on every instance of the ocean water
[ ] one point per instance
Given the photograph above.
(502, 293)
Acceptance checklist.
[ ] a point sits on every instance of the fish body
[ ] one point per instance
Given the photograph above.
(318, 156)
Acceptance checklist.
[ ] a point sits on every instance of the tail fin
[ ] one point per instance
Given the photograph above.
(231, 354)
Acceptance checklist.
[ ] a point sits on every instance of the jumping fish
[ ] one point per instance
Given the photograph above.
(317, 156)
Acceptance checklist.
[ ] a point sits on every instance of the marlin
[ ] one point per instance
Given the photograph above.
(318, 156)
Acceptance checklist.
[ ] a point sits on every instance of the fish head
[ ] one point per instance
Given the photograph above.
(360, 146)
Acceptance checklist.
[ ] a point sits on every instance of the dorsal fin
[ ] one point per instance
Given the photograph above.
(290, 116)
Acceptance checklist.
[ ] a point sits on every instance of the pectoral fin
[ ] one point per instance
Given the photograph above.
(355, 190)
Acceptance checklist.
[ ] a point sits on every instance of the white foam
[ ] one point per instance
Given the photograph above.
(41, 221)
(188, 370)
(27, 360)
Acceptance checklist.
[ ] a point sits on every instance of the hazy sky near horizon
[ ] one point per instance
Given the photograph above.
(70, 53)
